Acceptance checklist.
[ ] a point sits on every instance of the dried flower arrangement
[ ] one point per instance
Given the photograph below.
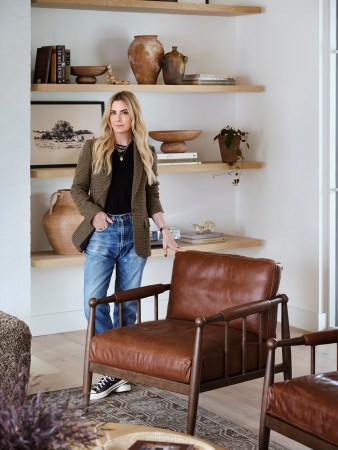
(31, 422)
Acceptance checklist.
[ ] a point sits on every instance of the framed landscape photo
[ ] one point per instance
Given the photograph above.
(59, 130)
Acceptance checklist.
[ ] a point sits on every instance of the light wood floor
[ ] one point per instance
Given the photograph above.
(57, 362)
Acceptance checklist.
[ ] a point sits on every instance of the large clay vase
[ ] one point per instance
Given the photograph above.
(173, 67)
(145, 57)
(229, 153)
(60, 221)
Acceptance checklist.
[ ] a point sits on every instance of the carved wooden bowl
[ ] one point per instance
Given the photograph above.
(87, 74)
(174, 140)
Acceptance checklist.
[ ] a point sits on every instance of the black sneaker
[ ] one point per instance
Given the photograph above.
(106, 385)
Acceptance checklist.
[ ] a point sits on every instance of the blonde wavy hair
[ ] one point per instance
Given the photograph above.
(105, 144)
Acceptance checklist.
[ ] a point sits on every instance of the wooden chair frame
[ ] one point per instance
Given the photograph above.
(269, 422)
(195, 386)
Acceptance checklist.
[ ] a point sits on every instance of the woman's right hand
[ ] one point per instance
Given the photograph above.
(101, 220)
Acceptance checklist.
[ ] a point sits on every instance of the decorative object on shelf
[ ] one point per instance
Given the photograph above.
(174, 140)
(209, 79)
(173, 67)
(229, 140)
(208, 225)
(111, 79)
(59, 130)
(166, 159)
(60, 221)
(87, 74)
(145, 57)
(156, 237)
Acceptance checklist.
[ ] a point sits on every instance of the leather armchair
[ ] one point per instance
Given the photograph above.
(221, 311)
(304, 408)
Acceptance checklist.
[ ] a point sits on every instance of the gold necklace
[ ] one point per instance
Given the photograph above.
(121, 149)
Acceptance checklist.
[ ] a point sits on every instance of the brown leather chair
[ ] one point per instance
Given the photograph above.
(304, 408)
(221, 311)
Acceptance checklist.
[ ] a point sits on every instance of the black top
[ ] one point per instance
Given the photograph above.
(119, 194)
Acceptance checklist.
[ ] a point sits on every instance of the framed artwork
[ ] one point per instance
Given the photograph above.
(59, 130)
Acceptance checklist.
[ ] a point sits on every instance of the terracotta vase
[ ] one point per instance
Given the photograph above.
(60, 221)
(145, 58)
(173, 67)
(228, 154)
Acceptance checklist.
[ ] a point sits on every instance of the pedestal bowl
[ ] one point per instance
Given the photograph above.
(174, 140)
(87, 74)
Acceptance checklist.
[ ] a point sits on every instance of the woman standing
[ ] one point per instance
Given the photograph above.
(116, 190)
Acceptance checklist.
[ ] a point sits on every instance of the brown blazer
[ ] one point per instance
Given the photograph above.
(90, 192)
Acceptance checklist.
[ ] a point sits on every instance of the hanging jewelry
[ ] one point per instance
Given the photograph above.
(121, 149)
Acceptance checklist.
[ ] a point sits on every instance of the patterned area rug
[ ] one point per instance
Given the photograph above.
(150, 406)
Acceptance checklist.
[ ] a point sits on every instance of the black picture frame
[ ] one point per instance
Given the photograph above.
(59, 130)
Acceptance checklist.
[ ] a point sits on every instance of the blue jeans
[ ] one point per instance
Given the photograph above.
(113, 247)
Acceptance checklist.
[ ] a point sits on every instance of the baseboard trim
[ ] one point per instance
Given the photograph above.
(307, 320)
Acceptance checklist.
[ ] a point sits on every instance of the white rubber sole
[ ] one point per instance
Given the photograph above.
(122, 386)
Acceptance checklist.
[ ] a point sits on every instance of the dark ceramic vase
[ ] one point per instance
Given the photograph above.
(173, 67)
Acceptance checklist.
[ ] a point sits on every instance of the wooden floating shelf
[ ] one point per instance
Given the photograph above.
(149, 7)
(42, 260)
(59, 172)
(178, 88)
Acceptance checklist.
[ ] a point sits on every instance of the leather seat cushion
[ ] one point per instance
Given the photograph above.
(164, 349)
(309, 402)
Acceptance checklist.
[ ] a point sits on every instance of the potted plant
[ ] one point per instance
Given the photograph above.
(229, 141)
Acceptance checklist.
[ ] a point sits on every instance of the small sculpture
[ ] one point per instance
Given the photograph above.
(209, 225)
(111, 79)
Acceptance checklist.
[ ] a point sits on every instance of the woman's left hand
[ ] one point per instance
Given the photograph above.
(169, 242)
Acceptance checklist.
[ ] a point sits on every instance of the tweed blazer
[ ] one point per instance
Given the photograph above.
(90, 193)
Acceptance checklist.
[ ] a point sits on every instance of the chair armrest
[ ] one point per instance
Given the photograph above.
(239, 311)
(311, 339)
(133, 294)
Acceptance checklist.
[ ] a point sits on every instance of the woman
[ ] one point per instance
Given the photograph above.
(116, 190)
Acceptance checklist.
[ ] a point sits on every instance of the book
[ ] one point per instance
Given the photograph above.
(204, 240)
(185, 155)
(57, 72)
(52, 73)
(42, 64)
(60, 64)
(200, 236)
(210, 82)
(67, 65)
(157, 445)
(177, 162)
(207, 76)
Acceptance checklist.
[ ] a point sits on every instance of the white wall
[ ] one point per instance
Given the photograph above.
(283, 204)
(279, 49)
(14, 149)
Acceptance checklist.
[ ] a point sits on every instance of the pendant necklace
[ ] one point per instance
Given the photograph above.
(121, 149)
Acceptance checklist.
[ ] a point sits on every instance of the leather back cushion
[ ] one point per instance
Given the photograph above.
(203, 284)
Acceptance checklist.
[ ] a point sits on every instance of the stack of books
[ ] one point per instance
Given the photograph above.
(171, 159)
(52, 65)
(156, 236)
(202, 238)
(208, 78)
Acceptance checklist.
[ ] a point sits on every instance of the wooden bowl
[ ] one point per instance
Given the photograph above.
(87, 74)
(174, 140)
